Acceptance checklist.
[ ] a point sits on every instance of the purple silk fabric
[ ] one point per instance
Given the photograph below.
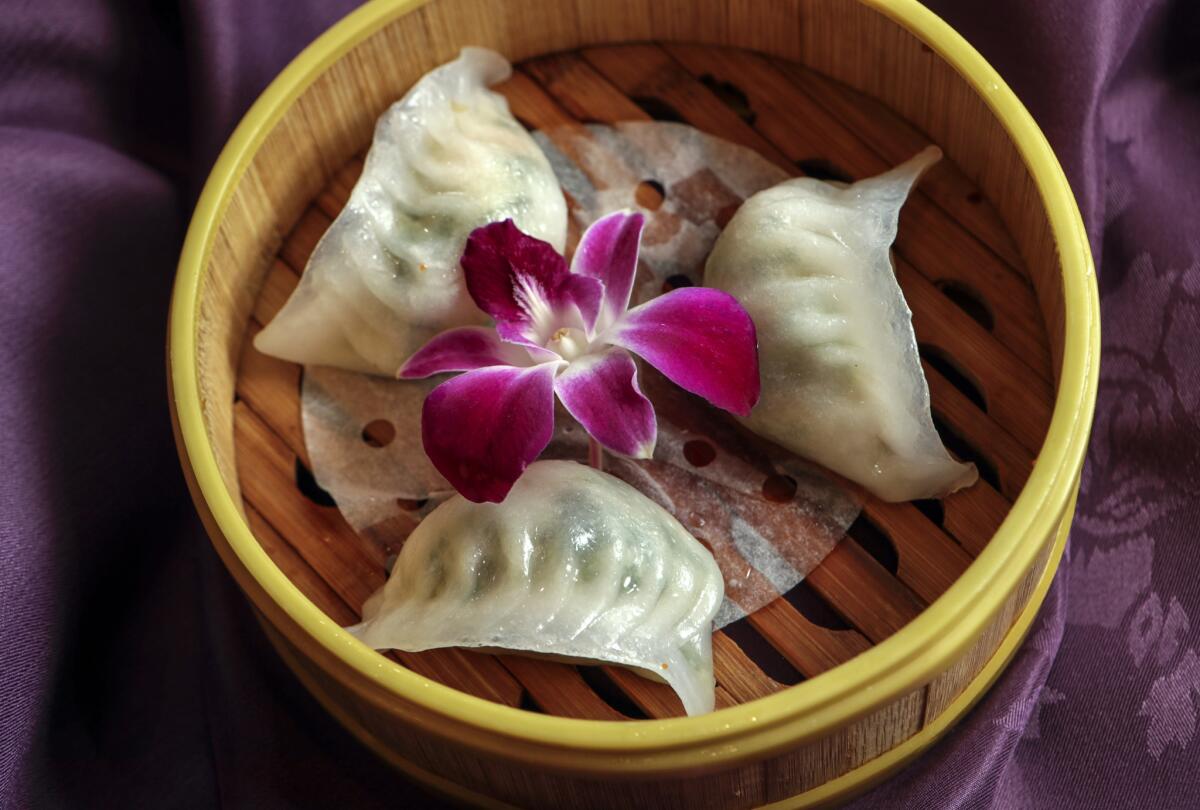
(132, 674)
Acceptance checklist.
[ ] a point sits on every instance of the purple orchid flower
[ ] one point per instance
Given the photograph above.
(569, 332)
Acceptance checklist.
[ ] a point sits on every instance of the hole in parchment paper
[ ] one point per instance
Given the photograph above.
(409, 505)
(779, 488)
(378, 433)
(948, 368)
(732, 96)
(699, 453)
(760, 651)
(604, 686)
(309, 487)
(676, 281)
(969, 301)
(658, 109)
(822, 169)
(932, 509)
(649, 194)
(809, 604)
(963, 449)
(875, 542)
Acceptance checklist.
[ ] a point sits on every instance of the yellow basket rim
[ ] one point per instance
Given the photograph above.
(817, 706)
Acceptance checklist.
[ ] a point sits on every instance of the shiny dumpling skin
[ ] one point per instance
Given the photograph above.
(841, 377)
(573, 563)
(447, 158)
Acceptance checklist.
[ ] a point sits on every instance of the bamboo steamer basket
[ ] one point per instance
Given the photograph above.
(906, 624)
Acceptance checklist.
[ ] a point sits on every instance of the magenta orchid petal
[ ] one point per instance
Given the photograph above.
(701, 339)
(587, 296)
(524, 282)
(462, 349)
(515, 333)
(608, 252)
(601, 391)
(494, 254)
(483, 428)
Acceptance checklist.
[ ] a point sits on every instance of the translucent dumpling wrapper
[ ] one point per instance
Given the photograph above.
(446, 159)
(841, 376)
(573, 563)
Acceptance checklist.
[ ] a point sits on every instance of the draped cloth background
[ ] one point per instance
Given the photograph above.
(131, 671)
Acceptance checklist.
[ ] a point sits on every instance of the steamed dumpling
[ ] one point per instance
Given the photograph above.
(841, 378)
(574, 563)
(446, 159)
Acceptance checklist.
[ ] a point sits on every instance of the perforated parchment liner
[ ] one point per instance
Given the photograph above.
(768, 517)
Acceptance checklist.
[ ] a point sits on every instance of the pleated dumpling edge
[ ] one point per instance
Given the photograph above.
(384, 278)
(842, 382)
(574, 564)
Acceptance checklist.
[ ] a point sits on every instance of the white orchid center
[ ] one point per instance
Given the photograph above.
(568, 343)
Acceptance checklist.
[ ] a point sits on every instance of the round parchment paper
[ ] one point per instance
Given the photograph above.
(768, 517)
